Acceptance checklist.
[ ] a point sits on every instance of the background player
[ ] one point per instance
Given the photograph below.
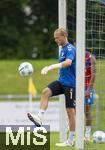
(90, 74)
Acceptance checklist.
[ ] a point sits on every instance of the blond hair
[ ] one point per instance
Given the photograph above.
(62, 31)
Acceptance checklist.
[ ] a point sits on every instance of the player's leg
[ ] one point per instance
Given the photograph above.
(46, 93)
(88, 115)
(88, 122)
(70, 108)
(88, 118)
(53, 89)
(71, 119)
(37, 119)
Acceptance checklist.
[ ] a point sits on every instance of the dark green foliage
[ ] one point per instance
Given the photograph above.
(95, 24)
(27, 35)
(30, 35)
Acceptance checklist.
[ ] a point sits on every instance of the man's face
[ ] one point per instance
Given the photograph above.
(59, 39)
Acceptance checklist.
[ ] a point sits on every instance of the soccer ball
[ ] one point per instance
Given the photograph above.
(25, 69)
(98, 137)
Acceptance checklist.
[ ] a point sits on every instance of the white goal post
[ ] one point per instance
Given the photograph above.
(80, 72)
(80, 44)
(91, 13)
(62, 112)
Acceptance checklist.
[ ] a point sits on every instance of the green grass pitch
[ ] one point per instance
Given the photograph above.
(87, 146)
(12, 83)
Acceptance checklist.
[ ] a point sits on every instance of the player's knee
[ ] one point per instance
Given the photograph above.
(46, 92)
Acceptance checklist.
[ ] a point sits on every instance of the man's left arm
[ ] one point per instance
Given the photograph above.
(93, 72)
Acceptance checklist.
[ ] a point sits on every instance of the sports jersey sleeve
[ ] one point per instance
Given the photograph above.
(70, 53)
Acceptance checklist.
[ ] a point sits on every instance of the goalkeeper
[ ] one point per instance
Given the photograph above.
(64, 85)
(90, 73)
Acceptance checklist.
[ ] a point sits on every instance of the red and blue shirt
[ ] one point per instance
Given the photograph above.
(87, 68)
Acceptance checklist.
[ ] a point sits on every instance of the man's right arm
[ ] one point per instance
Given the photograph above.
(63, 64)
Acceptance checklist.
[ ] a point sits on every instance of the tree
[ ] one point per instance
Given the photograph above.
(26, 28)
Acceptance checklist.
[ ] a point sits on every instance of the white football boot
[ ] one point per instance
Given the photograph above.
(35, 119)
(65, 144)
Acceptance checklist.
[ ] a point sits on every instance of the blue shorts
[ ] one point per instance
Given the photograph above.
(90, 100)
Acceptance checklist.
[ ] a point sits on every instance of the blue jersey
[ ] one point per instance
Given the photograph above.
(67, 76)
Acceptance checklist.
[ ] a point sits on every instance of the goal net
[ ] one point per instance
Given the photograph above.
(95, 42)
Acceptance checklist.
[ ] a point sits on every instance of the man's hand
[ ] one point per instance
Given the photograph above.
(51, 67)
(87, 93)
(45, 70)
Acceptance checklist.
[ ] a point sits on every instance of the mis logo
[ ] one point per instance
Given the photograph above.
(25, 136)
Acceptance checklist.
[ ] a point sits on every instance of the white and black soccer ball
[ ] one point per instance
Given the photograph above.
(25, 69)
(98, 137)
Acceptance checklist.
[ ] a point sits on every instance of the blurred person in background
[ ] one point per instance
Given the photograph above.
(90, 75)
